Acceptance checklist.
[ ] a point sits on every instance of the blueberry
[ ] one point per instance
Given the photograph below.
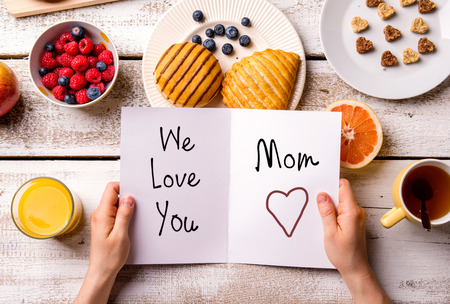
(219, 29)
(70, 99)
(93, 93)
(245, 21)
(77, 32)
(231, 32)
(209, 44)
(49, 47)
(227, 49)
(197, 39)
(209, 33)
(63, 81)
(198, 16)
(101, 66)
(244, 40)
(43, 71)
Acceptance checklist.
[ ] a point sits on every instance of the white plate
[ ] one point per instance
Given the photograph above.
(269, 29)
(364, 71)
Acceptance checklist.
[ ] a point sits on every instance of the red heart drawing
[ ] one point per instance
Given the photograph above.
(292, 210)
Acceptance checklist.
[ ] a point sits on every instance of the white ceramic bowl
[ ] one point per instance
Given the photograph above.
(52, 34)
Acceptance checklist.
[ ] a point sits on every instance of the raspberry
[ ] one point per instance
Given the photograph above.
(108, 74)
(100, 86)
(47, 61)
(82, 97)
(59, 47)
(86, 46)
(59, 92)
(57, 70)
(106, 56)
(65, 38)
(71, 48)
(50, 80)
(93, 75)
(98, 49)
(92, 61)
(66, 72)
(80, 63)
(77, 81)
(66, 60)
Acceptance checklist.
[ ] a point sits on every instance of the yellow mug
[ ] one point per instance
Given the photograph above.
(402, 199)
(44, 207)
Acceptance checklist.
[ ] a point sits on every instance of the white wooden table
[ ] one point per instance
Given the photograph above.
(81, 147)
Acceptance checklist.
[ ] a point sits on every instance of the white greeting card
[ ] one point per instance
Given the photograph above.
(224, 185)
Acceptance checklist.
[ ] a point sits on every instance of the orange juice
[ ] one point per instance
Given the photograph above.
(45, 207)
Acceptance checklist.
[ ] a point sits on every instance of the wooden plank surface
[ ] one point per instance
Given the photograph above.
(130, 22)
(417, 127)
(409, 261)
(22, 8)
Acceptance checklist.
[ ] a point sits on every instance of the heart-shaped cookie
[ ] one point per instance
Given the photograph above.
(388, 59)
(425, 46)
(287, 208)
(409, 56)
(426, 6)
(363, 45)
(407, 2)
(373, 3)
(391, 33)
(385, 11)
(419, 26)
(359, 24)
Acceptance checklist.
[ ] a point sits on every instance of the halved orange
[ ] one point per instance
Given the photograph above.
(361, 134)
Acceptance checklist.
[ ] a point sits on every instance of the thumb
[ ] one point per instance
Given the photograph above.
(124, 213)
(327, 211)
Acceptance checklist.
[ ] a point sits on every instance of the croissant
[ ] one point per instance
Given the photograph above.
(263, 80)
(188, 75)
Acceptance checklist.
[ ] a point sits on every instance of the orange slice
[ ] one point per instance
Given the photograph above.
(361, 134)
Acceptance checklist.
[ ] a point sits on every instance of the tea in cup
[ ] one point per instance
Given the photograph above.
(44, 207)
(433, 172)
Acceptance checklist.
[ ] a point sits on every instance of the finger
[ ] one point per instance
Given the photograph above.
(346, 199)
(109, 199)
(327, 212)
(124, 214)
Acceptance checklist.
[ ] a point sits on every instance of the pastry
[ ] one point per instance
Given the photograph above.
(263, 80)
(188, 75)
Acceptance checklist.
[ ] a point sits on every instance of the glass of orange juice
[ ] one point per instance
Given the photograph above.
(44, 207)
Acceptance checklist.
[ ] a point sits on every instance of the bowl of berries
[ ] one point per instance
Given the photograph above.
(73, 64)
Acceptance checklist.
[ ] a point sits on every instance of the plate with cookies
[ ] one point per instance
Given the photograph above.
(391, 49)
(224, 53)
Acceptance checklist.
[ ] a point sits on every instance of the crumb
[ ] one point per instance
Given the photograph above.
(373, 3)
(426, 6)
(388, 59)
(425, 46)
(409, 56)
(391, 33)
(418, 26)
(385, 11)
(363, 45)
(407, 2)
(358, 24)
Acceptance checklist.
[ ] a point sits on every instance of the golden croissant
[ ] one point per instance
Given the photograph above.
(263, 80)
(188, 75)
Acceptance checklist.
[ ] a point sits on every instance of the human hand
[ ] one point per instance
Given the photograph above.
(345, 244)
(110, 245)
(344, 233)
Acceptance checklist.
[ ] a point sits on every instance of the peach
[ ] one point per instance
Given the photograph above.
(9, 89)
